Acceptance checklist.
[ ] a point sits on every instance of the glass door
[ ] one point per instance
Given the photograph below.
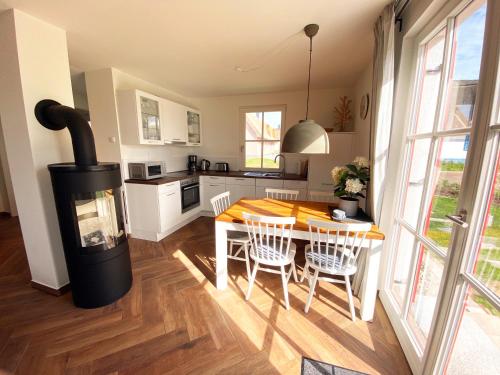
(430, 226)
(150, 118)
(194, 128)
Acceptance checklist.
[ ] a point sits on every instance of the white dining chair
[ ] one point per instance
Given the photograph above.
(333, 250)
(220, 203)
(290, 195)
(321, 196)
(271, 246)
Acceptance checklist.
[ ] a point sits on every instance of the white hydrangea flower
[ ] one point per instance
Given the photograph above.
(337, 173)
(361, 162)
(353, 185)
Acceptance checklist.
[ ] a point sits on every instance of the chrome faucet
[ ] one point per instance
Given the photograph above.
(283, 169)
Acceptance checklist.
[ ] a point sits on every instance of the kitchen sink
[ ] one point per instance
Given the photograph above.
(263, 174)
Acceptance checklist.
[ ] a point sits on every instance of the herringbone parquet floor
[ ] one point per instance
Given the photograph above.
(174, 321)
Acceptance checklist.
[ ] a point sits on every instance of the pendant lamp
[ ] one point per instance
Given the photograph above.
(307, 137)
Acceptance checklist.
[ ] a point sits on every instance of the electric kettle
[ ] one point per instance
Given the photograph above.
(205, 165)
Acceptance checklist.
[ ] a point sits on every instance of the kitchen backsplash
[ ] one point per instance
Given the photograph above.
(176, 158)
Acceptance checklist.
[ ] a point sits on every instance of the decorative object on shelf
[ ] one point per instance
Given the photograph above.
(364, 105)
(350, 181)
(343, 116)
(307, 137)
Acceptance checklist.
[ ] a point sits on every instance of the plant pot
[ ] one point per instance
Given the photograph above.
(349, 206)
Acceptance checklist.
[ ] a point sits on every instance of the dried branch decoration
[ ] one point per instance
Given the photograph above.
(343, 114)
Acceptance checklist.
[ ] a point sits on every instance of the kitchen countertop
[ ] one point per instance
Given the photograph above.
(177, 176)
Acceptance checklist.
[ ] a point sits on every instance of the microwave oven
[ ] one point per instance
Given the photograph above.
(147, 170)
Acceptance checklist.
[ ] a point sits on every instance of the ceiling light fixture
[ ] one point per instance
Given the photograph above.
(307, 137)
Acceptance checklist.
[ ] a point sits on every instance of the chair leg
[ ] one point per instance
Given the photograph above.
(295, 277)
(349, 296)
(284, 280)
(305, 273)
(247, 260)
(252, 280)
(312, 286)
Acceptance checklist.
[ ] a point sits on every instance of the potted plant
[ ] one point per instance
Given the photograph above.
(350, 182)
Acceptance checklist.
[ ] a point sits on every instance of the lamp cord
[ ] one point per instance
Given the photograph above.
(309, 77)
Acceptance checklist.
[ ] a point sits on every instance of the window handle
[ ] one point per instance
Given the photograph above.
(459, 219)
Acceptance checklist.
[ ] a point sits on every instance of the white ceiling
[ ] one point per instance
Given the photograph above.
(193, 46)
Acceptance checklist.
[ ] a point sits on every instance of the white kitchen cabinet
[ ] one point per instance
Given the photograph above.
(240, 191)
(169, 206)
(262, 183)
(153, 210)
(175, 125)
(210, 187)
(320, 166)
(141, 117)
(300, 186)
(240, 187)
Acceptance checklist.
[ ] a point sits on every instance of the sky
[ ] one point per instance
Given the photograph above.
(469, 46)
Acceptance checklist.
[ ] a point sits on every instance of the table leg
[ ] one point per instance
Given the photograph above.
(221, 255)
(369, 285)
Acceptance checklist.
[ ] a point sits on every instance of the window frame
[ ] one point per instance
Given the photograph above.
(242, 133)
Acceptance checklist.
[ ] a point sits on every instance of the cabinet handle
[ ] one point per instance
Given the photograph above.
(174, 141)
(168, 195)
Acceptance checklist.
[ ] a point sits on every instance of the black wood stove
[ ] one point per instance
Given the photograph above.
(88, 201)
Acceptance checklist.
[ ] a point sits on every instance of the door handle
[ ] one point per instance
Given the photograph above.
(459, 219)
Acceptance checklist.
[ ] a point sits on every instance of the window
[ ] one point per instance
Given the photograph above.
(262, 131)
(436, 150)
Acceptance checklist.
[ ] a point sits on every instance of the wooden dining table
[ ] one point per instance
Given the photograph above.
(232, 220)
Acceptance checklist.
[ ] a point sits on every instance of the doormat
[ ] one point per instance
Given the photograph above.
(313, 367)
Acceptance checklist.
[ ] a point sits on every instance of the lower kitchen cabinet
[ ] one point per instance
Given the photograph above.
(209, 190)
(300, 186)
(153, 210)
(169, 206)
(240, 187)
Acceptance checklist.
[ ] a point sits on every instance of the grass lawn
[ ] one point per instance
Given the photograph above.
(255, 163)
(439, 233)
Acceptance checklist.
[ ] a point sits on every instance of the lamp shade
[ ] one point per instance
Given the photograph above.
(306, 137)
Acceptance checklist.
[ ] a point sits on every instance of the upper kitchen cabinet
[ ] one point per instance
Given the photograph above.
(182, 125)
(175, 130)
(194, 127)
(141, 117)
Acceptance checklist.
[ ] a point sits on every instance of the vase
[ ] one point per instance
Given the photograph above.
(349, 206)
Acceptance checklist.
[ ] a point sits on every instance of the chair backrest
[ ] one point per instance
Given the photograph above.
(272, 235)
(341, 240)
(290, 195)
(321, 196)
(220, 203)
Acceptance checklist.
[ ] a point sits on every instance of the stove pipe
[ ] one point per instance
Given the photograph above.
(55, 116)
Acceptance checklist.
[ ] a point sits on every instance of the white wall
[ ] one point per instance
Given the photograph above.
(221, 127)
(362, 127)
(34, 66)
(7, 200)
(103, 114)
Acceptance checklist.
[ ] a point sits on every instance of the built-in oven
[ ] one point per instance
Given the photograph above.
(190, 193)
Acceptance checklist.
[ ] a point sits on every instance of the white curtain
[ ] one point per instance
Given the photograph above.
(381, 119)
(381, 115)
